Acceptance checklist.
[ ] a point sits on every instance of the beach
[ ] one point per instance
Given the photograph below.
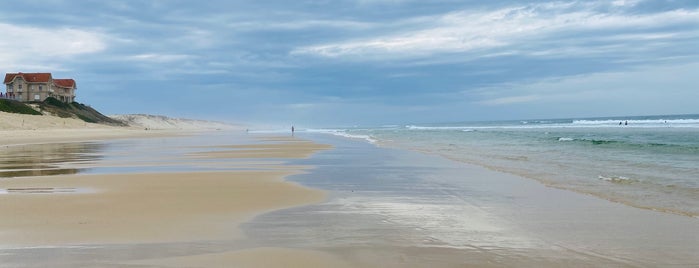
(69, 209)
(25, 129)
(237, 199)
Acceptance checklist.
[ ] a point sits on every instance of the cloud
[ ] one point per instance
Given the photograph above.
(160, 58)
(469, 31)
(625, 2)
(510, 100)
(25, 46)
(299, 24)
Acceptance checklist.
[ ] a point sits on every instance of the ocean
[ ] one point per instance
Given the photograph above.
(649, 162)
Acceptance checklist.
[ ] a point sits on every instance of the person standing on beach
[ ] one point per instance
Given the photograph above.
(292, 130)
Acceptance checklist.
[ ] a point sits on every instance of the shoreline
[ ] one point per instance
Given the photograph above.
(605, 183)
(250, 200)
(553, 185)
(404, 208)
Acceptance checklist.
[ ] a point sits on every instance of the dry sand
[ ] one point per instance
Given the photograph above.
(12, 121)
(28, 129)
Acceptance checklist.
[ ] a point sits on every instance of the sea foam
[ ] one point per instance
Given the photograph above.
(617, 179)
(343, 133)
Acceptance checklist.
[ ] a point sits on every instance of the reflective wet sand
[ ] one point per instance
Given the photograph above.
(47, 159)
(382, 208)
(392, 208)
(57, 219)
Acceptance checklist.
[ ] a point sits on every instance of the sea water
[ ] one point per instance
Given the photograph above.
(649, 162)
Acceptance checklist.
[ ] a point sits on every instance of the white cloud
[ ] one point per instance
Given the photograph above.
(510, 100)
(29, 47)
(625, 2)
(155, 57)
(299, 25)
(466, 31)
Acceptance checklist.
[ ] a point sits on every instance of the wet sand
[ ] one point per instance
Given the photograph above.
(282, 148)
(103, 210)
(396, 208)
(141, 207)
(257, 257)
(225, 200)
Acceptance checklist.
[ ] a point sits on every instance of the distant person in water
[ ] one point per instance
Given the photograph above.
(626, 123)
(620, 123)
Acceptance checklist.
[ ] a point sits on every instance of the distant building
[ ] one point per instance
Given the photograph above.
(37, 87)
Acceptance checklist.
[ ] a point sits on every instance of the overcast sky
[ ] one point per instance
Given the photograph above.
(359, 62)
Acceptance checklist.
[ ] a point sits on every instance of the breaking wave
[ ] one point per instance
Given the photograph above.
(617, 179)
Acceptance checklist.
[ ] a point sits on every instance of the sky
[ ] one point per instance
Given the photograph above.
(363, 62)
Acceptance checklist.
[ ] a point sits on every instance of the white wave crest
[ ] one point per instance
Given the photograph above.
(640, 123)
(414, 127)
(343, 133)
(617, 179)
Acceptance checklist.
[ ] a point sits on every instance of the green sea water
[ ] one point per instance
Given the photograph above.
(649, 162)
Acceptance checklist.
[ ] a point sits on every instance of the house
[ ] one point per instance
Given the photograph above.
(37, 87)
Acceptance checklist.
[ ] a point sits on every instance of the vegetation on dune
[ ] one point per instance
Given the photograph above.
(76, 110)
(60, 109)
(13, 106)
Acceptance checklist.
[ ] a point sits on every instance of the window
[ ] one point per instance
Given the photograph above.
(19, 87)
(10, 87)
(37, 97)
(41, 87)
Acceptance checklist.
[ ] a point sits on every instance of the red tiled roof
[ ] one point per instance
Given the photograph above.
(69, 83)
(29, 77)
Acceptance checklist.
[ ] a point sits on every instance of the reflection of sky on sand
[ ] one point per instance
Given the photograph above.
(386, 198)
(47, 190)
(177, 154)
(418, 208)
(47, 159)
(165, 154)
(408, 208)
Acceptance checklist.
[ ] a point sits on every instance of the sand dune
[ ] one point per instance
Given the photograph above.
(164, 122)
(11, 121)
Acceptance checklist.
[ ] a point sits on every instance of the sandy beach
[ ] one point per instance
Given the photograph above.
(140, 207)
(24, 129)
(82, 210)
(95, 196)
